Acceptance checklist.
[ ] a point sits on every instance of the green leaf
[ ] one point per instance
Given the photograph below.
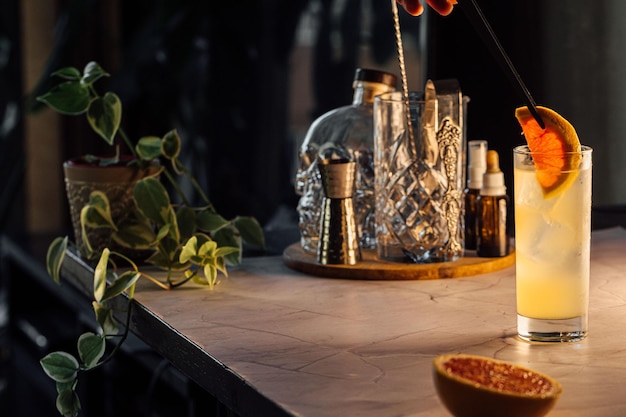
(172, 221)
(203, 238)
(210, 272)
(186, 219)
(159, 259)
(167, 259)
(104, 161)
(170, 245)
(169, 250)
(149, 147)
(60, 366)
(70, 97)
(104, 317)
(105, 115)
(224, 251)
(204, 252)
(134, 235)
(92, 73)
(209, 221)
(121, 284)
(251, 231)
(220, 264)
(55, 256)
(91, 347)
(94, 217)
(69, 385)
(100, 276)
(208, 248)
(68, 73)
(229, 236)
(152, 200)
(97, 211)
(68, 403)
(163, 232)
(189, 250)
(171, 145)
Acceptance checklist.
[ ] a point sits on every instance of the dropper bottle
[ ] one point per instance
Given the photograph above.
(491, 208)
(477, 156)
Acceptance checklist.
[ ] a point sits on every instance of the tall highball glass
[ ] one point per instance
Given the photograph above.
(552, 238)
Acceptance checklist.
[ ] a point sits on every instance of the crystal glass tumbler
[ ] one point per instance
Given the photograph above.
(552, 240)
(419, 179)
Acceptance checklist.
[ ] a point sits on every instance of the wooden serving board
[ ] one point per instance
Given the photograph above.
(373, 268)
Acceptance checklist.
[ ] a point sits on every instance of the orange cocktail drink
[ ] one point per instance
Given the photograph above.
(552, 235)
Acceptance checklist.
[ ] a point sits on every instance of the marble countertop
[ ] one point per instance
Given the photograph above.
(321, 347)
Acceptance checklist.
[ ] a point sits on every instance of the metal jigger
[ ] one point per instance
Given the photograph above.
(339, 242)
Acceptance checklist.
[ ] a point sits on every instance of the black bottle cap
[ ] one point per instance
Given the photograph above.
(375, 76)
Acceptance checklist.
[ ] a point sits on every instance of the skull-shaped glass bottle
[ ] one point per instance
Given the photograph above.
(349, 131)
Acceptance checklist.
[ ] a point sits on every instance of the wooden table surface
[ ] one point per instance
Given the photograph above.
(272, 341)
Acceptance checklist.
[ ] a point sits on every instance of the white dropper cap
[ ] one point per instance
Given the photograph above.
(493, 178)
(477, 151)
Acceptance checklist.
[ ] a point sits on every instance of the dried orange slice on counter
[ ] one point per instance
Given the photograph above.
(478, 386)
(552, 148)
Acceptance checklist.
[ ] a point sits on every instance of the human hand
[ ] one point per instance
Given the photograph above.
(415, 8)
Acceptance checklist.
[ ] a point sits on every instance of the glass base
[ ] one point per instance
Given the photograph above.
(418, 255)
(552, 330)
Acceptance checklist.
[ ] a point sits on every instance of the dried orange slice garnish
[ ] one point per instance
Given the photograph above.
(555, 149)
(478, 386)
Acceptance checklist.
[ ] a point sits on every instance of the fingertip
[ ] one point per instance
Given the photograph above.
(443, 7)
(412, 7)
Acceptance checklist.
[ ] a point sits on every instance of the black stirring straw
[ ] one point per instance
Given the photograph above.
(478, 20)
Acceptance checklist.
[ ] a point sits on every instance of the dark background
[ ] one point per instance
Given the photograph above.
(219, 73)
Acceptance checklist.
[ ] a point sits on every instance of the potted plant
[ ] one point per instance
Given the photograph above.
(192, 243)
(115, 174)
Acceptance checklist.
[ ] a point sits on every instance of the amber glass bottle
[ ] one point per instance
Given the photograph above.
(491, 208)
(477, 156)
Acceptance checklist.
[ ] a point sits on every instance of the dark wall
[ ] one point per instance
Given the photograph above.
(216, 71)
(12, 161)
(457, 51)
(219, 73)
